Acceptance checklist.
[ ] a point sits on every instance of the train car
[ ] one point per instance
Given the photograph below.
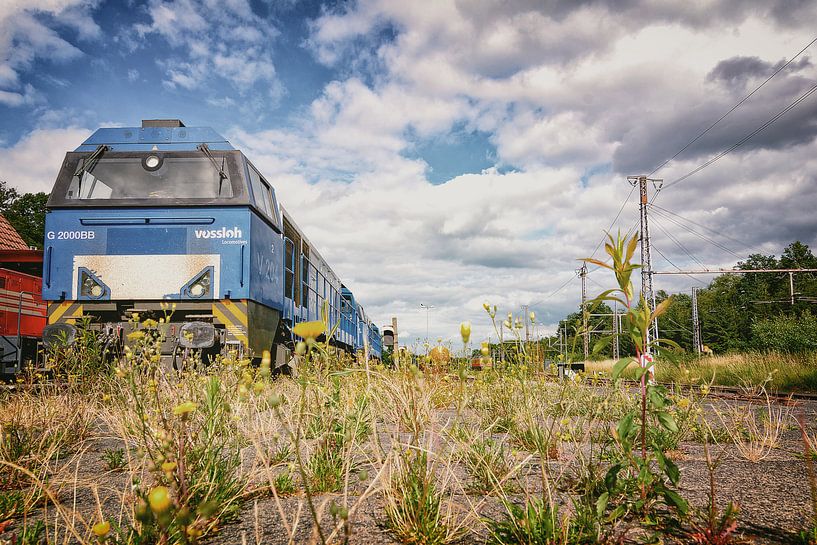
(163, 217)
(22, 311)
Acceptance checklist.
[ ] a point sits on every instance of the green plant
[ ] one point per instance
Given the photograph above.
(534, 438)
(33, 534)
(488, 465)
(114, 458)
(283, 484)
(414, 504)
(713, 526)
(12, 504)
(632, 485)
(537, 522)
(192, 447)
(326, 465)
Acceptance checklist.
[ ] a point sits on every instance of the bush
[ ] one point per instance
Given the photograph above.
(786, 333)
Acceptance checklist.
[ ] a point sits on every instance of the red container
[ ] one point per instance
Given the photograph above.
(21, 294)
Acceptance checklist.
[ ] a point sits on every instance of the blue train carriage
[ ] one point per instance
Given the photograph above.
(311, 287)
(375, 342)
(163, 214)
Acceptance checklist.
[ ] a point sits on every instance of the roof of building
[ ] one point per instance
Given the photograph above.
(10, 239)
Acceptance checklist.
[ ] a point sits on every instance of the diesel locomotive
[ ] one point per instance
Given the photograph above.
(168, 221)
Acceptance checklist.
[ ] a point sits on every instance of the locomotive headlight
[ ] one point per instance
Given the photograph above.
(197, 290)
(200, 286)
(90, 287)
(152, 162)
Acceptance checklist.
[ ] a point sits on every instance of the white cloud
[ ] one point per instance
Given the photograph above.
(209, 38)
(31, 165)
(26, 36)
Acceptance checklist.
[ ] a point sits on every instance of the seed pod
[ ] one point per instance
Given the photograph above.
(465, 332)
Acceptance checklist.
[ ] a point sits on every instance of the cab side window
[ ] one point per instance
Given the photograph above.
(263, 196)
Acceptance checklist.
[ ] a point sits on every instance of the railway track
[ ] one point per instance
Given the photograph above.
(725, 392)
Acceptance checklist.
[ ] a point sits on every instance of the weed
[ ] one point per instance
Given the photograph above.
(114, 458)
(414, 504)
(533, 437)
(13, 503)
(536, 523)
(325, 467)
(754, 437)
(488, 464)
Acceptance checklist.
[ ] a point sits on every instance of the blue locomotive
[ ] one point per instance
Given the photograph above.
(142, 219)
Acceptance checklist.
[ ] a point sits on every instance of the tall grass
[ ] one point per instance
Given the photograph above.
(779, 372)
(435, 449)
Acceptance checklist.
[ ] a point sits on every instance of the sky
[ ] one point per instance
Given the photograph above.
(449, 152)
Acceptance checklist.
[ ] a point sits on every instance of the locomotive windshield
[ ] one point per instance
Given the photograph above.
(150, 177)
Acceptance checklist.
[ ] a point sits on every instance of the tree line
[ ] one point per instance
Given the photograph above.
(25, 212)
(737, 312)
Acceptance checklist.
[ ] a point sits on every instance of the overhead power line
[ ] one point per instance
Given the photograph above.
(554, 292)
(620, 210)
(713, 231)
(745, 139)
(678, 243)
(688, 229)
(732, 109)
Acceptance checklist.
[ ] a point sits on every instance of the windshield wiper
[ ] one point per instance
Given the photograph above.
(205, 149)
(90, 162)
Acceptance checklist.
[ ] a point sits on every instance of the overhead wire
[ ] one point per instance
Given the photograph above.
(703, 237)
(620, 210)
(698, 280)
(745, 139)
(701, 167)
(713, 231)
(732, 109)
(678, 243)
(554, 292)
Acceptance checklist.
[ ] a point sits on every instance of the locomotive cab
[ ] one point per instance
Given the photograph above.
(166, 223)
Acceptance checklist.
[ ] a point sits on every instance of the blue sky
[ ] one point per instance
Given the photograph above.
(446, 152)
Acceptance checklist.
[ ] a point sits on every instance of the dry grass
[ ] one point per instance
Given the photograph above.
(434, 449)
(778, 372)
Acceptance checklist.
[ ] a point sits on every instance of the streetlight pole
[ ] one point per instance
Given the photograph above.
(426, 308)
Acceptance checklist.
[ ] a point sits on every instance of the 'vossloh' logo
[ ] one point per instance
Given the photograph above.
(235, 232)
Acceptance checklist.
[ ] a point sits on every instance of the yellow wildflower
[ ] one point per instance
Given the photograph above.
(136, 335)
(309, 330)
(159, 499)
(185, 408)
(101, 529)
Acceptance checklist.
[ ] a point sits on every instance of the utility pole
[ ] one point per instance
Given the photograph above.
(527, 322)
(646, 263)
(585, 332)
(696, 324)
(427, 308)
(395, 351)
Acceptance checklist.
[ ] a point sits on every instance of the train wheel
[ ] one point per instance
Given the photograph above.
(112, 350)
